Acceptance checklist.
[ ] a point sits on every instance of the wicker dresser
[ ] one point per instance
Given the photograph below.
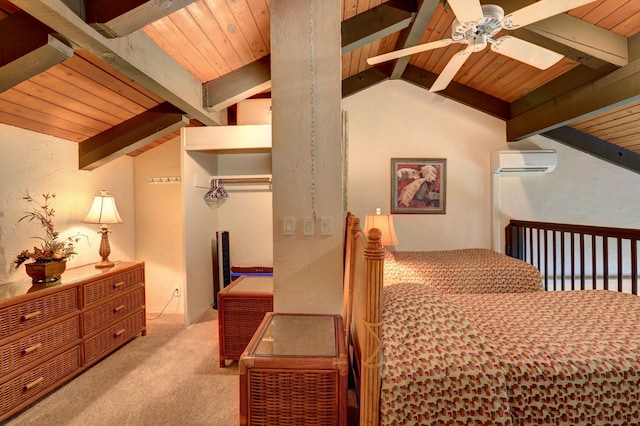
(50, 334)
(241, 308)
(295, 372)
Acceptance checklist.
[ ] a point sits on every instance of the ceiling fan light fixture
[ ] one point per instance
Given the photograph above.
(489, 25)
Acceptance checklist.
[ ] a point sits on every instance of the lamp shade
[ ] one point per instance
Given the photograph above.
(384, 222)
(103, 210)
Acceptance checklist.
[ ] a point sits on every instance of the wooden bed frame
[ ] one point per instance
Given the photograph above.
(363, 314)
(364, 258)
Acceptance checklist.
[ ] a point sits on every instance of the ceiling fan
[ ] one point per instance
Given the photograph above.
(476, 24)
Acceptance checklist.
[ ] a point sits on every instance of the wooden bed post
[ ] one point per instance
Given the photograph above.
(372, 339)
(352, 228)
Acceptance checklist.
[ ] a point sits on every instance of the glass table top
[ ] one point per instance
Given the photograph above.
(298, 335)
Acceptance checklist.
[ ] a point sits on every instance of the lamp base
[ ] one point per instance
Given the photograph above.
(104, 264)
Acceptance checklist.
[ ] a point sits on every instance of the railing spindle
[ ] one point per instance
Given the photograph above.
(619, 264)
(594, 263)
(538, 233)
(634, 266)
(605, 261)
(582, 277)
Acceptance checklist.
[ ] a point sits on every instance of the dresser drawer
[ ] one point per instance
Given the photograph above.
(35, 346)
(28, 386)
(101, 289)
(102, 343)
(24, 316)
(96, 318)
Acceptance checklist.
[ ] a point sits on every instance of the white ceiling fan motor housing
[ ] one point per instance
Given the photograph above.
(478, 32)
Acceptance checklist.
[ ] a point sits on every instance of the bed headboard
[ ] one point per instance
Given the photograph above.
(363, 314)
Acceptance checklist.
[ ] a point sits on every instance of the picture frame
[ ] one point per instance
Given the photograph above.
(418, 185)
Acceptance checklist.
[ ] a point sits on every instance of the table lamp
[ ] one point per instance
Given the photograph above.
(384, 222)
(104, 212)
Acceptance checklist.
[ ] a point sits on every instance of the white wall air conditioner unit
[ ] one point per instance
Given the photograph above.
(520, 162)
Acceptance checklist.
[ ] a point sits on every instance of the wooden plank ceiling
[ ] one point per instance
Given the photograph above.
(67, 73)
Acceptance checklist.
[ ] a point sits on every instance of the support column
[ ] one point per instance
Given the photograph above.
(307, 155)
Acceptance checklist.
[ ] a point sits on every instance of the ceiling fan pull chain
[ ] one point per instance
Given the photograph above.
(313, 109)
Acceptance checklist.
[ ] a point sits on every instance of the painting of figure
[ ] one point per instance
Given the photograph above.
(418, 185)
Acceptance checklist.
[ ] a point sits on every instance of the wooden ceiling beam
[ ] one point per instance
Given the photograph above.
(617, 88)
(358, 31)
(238, 85)
(597, 147)
(27, 49)
(570, 52)
(634, 47)
(585, 41)
(364, 79)
(411, 36)
(135, 55)
(459, 93)
(130, 135)
(119, 18)
(378, 22)
(571, 80)
(585, 37)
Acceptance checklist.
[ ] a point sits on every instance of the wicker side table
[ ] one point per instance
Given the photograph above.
(241, 308)
(295, 372)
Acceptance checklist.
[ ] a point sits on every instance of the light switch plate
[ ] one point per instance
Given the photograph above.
(289, 226)
(308, 226)
(326, 226)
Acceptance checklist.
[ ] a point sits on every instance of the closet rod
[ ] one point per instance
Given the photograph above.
(228, 179)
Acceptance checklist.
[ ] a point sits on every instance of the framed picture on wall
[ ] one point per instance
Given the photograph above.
(418, 185)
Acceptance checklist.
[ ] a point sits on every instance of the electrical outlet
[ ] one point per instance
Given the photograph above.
(177, 292)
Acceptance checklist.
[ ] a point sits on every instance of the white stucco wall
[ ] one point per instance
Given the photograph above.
(396, 119)
(247, 214)
(582, 189)
(159, 226)
(39, 163)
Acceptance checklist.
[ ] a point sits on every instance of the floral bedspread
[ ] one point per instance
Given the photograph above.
(548, 358)
(569, 358)
(458, 380)
(462, 271)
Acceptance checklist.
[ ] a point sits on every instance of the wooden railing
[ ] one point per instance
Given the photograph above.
(576, 257)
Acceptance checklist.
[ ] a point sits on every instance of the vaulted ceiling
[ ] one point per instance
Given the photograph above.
(122, 77)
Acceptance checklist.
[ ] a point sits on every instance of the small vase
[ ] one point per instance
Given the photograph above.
(45, 272)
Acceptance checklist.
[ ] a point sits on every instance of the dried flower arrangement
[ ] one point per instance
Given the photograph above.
(51, 249)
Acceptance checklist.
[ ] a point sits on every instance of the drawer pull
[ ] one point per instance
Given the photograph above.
(118, 308)
(119, 332)
(36, 382)
(31, 315)
(118, 284)
(31, 348)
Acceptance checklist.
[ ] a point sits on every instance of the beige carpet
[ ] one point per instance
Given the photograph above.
(168, 377)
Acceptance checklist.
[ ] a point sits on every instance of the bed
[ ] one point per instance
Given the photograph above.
(474, 270)
(421, 355)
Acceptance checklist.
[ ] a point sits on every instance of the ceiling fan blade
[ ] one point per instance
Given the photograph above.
(466, 10)
(526, 52)
(538, 11)
(409, 51)
(451, 69)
